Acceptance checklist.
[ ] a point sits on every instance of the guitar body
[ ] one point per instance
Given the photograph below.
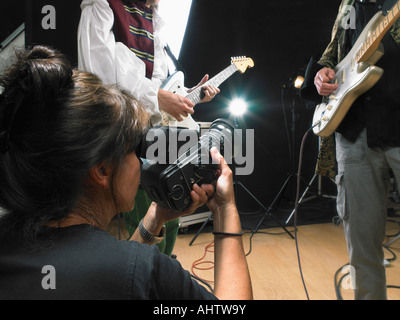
(175, 84)
(353, 79)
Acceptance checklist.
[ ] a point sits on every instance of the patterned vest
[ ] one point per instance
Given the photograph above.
(133, 26)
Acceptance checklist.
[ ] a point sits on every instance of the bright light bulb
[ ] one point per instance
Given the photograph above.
(298, 82)
(238, 107)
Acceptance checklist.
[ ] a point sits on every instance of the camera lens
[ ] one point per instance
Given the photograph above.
(220, 135)
(170, 184)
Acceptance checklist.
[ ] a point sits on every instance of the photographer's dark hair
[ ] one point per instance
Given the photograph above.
(55, 124)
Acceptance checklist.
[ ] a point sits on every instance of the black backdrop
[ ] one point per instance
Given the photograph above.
(280, 36)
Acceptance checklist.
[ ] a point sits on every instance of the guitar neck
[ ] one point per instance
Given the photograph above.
(196, 95)
(372, 42)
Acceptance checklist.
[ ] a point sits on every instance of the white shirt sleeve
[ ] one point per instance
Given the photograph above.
(112, 61)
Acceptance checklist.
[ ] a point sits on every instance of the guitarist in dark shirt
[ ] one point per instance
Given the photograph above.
(367, 148)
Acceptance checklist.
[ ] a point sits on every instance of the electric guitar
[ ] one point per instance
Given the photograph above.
(175, 84)
(355, 74)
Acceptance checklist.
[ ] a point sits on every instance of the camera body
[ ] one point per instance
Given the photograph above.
(170, 184)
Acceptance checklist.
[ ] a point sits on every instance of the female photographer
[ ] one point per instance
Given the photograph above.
(67, 166)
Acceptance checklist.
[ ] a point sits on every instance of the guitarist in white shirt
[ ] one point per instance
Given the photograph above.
(367, 148)
(101, 53)
(107, 51)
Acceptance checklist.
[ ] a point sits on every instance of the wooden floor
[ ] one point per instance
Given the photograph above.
(274, 265)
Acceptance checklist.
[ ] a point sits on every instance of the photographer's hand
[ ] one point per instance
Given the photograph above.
(231, 275)
(157, 215)
(222, 203)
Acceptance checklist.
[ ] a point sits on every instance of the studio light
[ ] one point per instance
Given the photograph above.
(238, 107)
(298, 82)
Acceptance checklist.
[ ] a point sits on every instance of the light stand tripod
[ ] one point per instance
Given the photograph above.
(293, 83)
(298, 85)
(267, 211)
(291, 178)
(319, 190)
(291, 135)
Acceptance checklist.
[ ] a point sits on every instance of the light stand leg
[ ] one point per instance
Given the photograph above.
(267, 211)
(319, 191)
(302, 196)
(391, 241)
(201, 228)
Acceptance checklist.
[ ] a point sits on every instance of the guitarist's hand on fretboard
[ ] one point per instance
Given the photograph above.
(208, 91)
(174, 104)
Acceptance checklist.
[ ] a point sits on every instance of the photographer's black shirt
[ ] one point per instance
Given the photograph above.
(85, 262)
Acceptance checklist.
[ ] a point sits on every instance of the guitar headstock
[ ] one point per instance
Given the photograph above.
(242, 63)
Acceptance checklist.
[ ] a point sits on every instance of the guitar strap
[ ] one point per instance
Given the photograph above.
(385, 5)
(177, 64)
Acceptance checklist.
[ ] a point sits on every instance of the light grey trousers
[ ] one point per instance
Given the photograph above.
(363, 183)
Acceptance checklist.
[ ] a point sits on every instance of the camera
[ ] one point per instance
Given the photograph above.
(177, 158)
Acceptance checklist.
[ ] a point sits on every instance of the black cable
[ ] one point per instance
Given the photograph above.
(393, 235)
(392, 287)
(295, 210)
(250, 242)
(295, 214)
(338, 284)
(253, 233)
(393, 254)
